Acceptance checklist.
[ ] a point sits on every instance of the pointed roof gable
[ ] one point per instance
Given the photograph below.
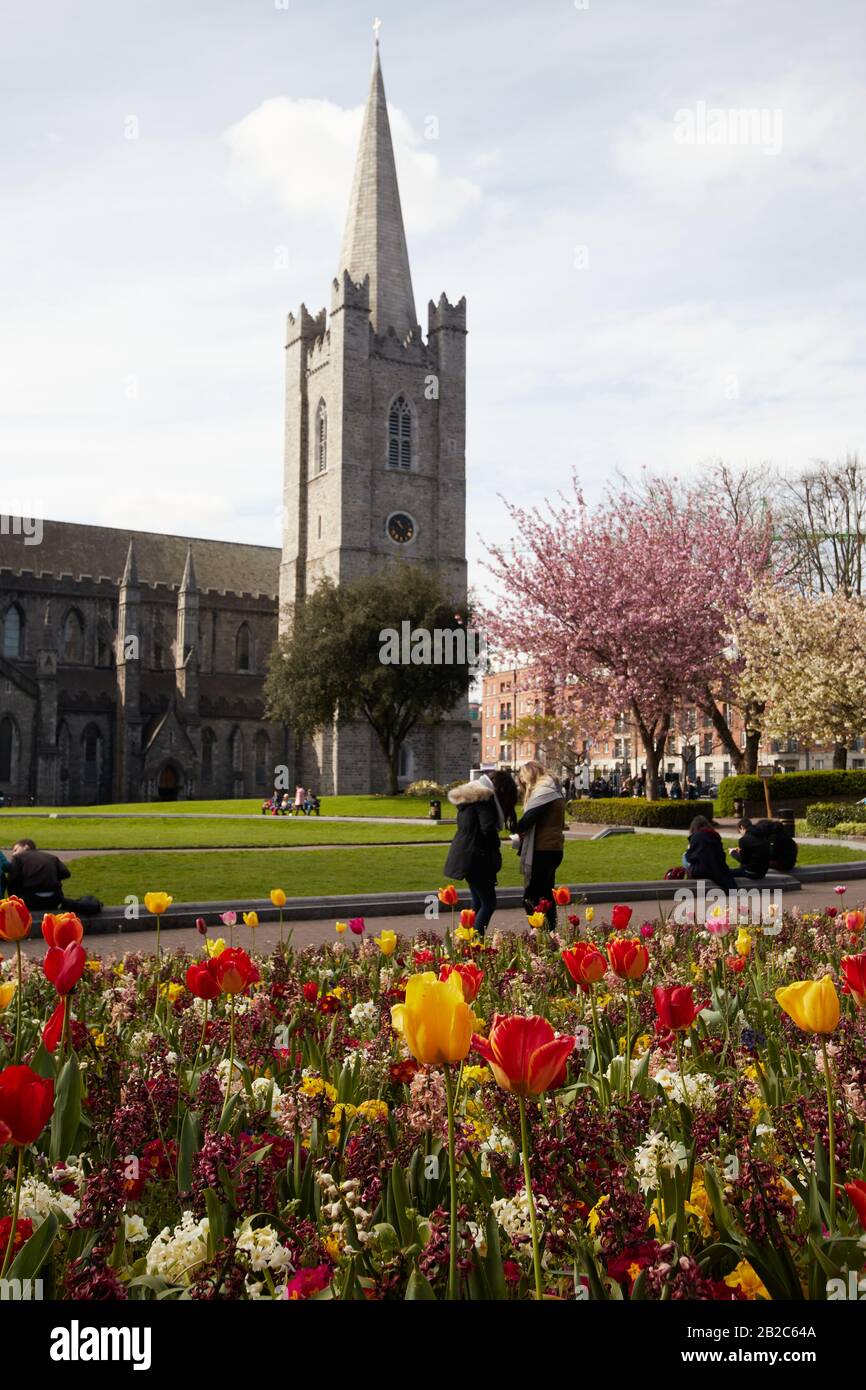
(374, 242)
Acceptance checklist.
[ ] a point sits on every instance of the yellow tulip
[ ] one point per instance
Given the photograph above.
(537, 919)
(251, 919)
(214, 947)
(745, 1278)
(157, 902)
(435, 1022)
(812, 1004)
(743, 943)
(589, 914)
(7, 994)
(278, 897)
(340, 927)
(387, 942)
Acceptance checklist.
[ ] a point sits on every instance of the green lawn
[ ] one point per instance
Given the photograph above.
(413, 806)
(181, 832)
(368, 869)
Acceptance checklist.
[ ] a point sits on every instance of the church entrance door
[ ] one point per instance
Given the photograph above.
(167, 785)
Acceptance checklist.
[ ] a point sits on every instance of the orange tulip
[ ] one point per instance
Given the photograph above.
(629, 958)
(854, 971)
(585, 963)
(62, 929)
(562, 896)
(15, 920)
(448, 895)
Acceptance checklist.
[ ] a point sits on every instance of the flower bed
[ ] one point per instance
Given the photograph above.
(626, 1109)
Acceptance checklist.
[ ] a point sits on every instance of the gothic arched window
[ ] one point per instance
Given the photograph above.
(400, 434)
(73, 636)
(321, 438)
(13, 632)
(91, 755)
(208, 740)
(244, 649)
(262, 745)
(8, 748)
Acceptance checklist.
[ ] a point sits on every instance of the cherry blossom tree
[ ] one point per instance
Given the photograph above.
(804, 660)
(628, 606)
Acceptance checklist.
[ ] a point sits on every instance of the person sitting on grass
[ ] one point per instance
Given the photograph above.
(705, 856)
(36, 876)
(312, 805)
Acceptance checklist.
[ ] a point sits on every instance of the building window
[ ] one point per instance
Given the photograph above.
(406, 764)
(263, 757)
(244, 649)
(91, 755)
(400, 434)
(13, 632)
(237, 751)
(207, 744)
(73, 636)
(321, 438)
(8, 739)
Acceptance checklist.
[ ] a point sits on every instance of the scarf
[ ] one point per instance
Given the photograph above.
(541, 794)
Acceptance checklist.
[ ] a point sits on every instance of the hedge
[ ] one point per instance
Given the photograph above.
(633, 810)
(846, 828)
(824, 815)
(797, 786)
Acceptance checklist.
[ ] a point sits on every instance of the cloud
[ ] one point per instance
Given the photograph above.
(302, 153)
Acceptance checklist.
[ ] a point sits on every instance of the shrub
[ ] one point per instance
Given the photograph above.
(632, 810)
(793, 786)
(850, 827)
(824, 815)
(425, 787)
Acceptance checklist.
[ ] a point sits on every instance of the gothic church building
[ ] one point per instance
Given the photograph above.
(132, 664)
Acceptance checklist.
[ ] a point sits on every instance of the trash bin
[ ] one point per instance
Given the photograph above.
(435, 812)
(787, 819)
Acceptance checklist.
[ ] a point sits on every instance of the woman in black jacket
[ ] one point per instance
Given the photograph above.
(783, 847)
(484, 808)
(705, 856)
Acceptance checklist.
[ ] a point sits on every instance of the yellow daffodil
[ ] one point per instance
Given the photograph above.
(214, 947)
(467, 934)
(157, 902)
(435, 1022)
(340, 927)
(94, 965)
(594, 1216)
(387, 942)
(278, 897)
(171, 990)
(99, 1038)
(746, 1278)
(812, 1004)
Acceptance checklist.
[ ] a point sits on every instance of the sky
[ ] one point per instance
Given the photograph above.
(655, 212)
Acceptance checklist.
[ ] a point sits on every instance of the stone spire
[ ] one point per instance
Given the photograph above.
(129, 578)
(188, 583)
(374, 242)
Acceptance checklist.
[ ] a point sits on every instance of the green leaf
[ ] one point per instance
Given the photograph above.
(32, 1255)
(493, 1260)
(190, 1143)
(67, 1110)
(419, 1288)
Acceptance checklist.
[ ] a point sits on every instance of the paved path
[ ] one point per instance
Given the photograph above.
(314, 932)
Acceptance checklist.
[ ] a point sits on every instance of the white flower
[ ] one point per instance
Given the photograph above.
(262, 1244)
(174, 1254)
(134, 1229)
(260, 1088)
(365, 1014)
(38, 1201)
(512, 1213)
(658, 1155)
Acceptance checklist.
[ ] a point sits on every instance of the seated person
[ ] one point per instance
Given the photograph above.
(35, 877)
(311, 804)
(783, 848)
(285, 804)
(753, 850)
(267, 807)
(705, 856)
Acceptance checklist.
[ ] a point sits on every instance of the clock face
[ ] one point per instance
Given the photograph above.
(400, 528)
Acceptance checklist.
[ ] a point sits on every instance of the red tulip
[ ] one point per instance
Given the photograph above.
(311, 991)
(26, 1103)
(65, 967)
(857, 1192)
(356, 925)
(62, 929)
(201, 926)
(524, 1054)
(467, 918)
(585, 963)
(201, 979)
(854, 970)
(53, 1029)
(15, 920)
(629, 958)
(234, 970)
(620, 916)
(448, 895)
(735, 964)
(675, 1007)
(562, 896)
(470, 978)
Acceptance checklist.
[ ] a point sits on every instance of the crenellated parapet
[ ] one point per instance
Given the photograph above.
(446, 315)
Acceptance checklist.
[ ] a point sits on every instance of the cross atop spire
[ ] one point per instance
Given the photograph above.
(374, 242)
(377, 25)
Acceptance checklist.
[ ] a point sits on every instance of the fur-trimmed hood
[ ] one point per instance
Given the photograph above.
(468, 792)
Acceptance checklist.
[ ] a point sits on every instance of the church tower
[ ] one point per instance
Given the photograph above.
(375, 444)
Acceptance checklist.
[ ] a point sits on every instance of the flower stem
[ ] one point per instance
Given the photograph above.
(527, 1182)
(201, 1039)
(627, 1041)
(831, 1132)
(602, 1079)
(7, 1258)
(18, 1007)
(230, 1076)
(452, 1176)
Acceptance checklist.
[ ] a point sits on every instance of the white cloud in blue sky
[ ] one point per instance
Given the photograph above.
(632, 299)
